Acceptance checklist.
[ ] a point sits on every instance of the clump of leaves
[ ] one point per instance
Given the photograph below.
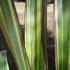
(30, 56)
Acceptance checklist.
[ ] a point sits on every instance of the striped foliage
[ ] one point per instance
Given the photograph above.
(10, 27)
(62, 10)
(33, 22)
(3, 61)
(32, 55)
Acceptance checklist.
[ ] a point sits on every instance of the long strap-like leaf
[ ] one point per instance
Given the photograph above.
(69, 44)
(10, 27)
(3, 61)
(33, 22)
(62, 9)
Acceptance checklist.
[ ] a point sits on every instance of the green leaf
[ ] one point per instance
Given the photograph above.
(44, 32)
(33, 23)
(62, 10)
(12, 33)
(3, 61)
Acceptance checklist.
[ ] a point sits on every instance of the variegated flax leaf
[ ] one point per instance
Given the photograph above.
(33, 24)
(62, 12)
(11, 30)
